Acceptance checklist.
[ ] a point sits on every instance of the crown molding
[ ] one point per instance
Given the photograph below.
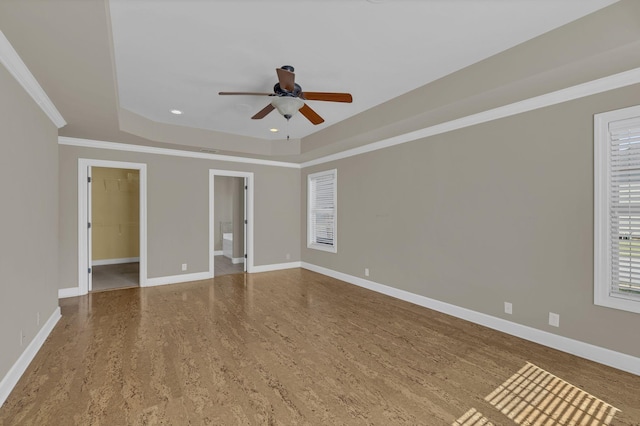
(13, 63)
(593, 87)
(116, 146)
(589, 88)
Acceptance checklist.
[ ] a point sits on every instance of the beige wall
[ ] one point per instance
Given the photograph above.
(115, 213)
(178, 211)
(501, 211)
(29, 219)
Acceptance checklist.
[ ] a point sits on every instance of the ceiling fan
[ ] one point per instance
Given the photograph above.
(288, 97)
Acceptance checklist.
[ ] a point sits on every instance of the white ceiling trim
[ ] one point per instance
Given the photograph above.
(401, 45)
(17, 68)
(115, 146)
(593, 87)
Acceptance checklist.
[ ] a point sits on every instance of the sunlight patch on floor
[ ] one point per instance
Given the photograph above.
(472, 418)
(534, 396)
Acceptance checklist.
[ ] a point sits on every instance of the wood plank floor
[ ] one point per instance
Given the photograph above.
(297, 348)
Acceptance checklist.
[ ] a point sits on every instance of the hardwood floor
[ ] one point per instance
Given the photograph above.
(297, 348)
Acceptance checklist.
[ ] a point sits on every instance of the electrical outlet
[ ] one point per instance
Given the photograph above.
(554, 319)
(184, 266)
(508, 308)
(366, 272)
(288, 256)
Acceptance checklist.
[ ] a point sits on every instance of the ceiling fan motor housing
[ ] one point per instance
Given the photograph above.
(279, 91)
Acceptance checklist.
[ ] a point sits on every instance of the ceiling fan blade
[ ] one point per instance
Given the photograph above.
(246, 93)
(286, 78)
(263, 112)
(311, 114)
(327, 96)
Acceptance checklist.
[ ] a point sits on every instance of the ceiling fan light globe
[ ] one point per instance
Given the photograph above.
(287, 105)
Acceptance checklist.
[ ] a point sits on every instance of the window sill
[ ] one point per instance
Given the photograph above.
(321, 247)
(618, 303)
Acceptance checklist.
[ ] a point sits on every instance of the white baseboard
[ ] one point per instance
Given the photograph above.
(218, 253)
(68, 292)
(15, 372)
(591, 352)
(237, 260)
(114, 261)
(276, 267)
(174, 279)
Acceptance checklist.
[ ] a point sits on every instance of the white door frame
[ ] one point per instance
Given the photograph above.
(83, 214)
(248, 211)
(89, 245)
(245, 195)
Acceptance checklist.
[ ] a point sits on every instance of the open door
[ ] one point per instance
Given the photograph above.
(243, 199)
(244, 246)
(85, 217)
(89, 232)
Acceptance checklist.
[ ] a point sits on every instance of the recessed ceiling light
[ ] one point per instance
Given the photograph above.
(274, 130)
(176, 112)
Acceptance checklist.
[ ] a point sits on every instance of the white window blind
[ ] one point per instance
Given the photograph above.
(321, 224)
(624, 208)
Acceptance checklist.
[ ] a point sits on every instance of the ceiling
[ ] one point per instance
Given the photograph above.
(115, 68)
(180, 54)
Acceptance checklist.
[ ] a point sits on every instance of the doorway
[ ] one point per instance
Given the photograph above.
(112, 228)
(230, 223)
(115, 228)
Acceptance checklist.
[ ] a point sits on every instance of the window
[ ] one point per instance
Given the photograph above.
(617, 209)
(321, 222)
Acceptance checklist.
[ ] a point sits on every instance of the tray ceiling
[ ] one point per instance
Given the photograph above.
(180, 54)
